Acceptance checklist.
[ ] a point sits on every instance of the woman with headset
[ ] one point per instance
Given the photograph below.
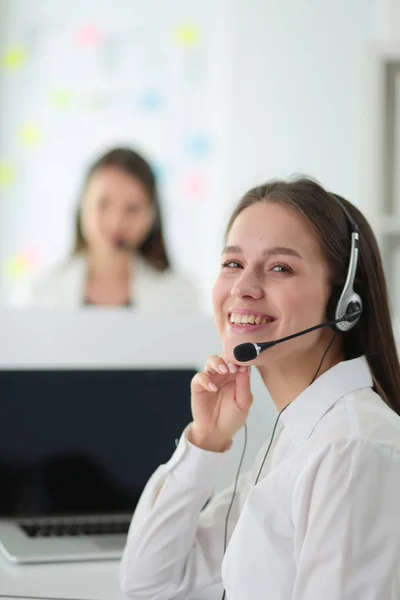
(318, 516)
(119, 256)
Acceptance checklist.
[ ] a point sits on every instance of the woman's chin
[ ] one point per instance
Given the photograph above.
(229, 352)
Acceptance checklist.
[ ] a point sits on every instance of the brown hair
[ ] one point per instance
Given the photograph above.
(153, 248)
(373, 335)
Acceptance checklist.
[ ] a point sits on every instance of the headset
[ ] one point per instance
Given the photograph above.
(346, 302)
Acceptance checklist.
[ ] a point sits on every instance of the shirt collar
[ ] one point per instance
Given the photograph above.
(302, 415)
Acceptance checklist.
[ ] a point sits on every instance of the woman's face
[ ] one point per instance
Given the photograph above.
(273, 282)
(117, 212)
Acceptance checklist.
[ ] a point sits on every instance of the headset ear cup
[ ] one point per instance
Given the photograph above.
(354, 305)
(331, 308)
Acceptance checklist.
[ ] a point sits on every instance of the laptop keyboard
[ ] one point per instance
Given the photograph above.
(63, 528)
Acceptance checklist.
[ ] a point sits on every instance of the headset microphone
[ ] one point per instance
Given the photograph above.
(250, 351)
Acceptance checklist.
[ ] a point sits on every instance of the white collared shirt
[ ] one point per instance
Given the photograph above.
(323, 522)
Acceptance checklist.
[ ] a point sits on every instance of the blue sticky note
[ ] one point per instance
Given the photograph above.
(150, 100)
(198, 146)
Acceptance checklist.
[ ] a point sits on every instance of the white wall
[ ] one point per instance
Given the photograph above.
(387, 20)
(299, 91)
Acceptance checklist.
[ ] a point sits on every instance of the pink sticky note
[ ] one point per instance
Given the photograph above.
(194, 186)
(88, 36)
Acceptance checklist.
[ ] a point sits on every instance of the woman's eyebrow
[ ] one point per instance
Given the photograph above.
(274, 251)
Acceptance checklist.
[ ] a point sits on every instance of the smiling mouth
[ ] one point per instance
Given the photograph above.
(249, 319)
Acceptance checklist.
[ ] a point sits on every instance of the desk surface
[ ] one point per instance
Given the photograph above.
(15, 597)
(83, 581)
(69, 581)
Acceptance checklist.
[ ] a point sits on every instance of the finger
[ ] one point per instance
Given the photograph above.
(244, 397)
(216, 364)
(236, 365)
(201, 382)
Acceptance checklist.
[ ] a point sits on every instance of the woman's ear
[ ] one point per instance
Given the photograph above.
(333, 302)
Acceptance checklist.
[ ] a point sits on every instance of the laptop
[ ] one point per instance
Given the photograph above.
(77, 447)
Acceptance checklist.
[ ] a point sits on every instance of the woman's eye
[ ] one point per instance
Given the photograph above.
(103, 203)
(231, 264)
(133, 210)
(281, 269)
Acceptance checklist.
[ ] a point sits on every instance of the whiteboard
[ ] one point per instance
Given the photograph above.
(79, 78)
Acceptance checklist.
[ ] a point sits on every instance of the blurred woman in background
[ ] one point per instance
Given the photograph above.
(119, 256)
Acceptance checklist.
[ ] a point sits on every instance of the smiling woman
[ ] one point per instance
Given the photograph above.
(321, 502)
(119, 256)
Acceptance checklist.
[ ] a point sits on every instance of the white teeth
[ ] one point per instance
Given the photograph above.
(245, 319)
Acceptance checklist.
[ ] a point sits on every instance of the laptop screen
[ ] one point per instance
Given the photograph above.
(86, 441)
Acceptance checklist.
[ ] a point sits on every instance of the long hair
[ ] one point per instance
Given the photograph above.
(153, 248)
(373, 335)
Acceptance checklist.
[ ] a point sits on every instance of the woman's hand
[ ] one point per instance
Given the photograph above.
(221, 400)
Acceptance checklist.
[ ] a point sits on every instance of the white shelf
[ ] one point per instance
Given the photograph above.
(386, 51)
(386, 225)
(382, 191)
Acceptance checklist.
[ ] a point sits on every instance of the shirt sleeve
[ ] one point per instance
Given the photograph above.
(174, 547)
(346, 514)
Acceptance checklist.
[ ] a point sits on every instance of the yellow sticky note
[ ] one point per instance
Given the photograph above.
(16, 267)
(187, 35)
(14, 58)
(60, 98)
(30, 135)
(7, 174)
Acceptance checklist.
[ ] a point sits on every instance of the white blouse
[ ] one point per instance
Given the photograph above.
(323, 522)
(150, 290)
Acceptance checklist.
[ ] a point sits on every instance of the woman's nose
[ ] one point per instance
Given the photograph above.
(247, 286)
(116, 220)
